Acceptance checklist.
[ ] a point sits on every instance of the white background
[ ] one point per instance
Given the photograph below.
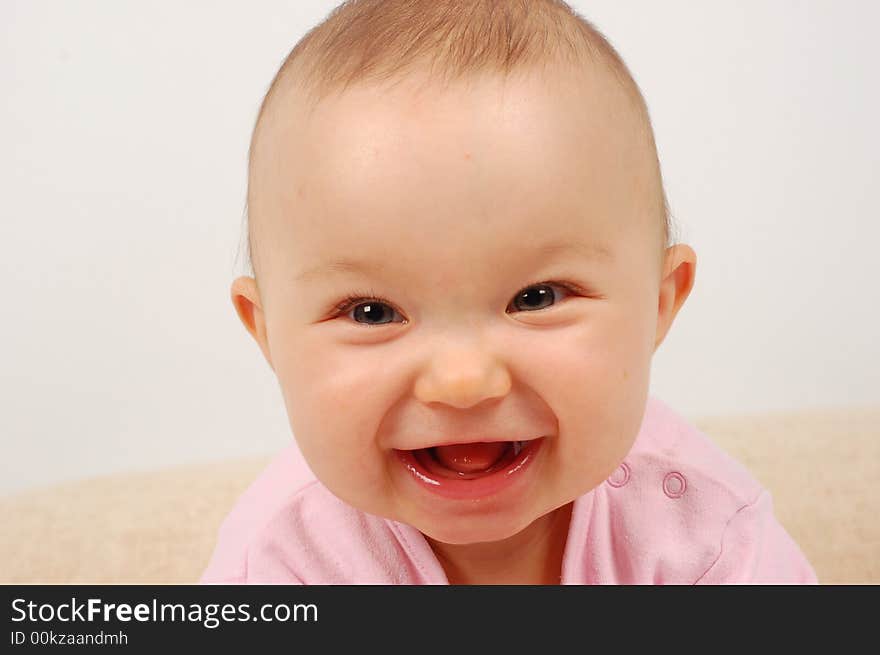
(124, 130)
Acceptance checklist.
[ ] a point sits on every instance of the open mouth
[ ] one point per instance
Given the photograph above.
(470, 460)
(470, 470)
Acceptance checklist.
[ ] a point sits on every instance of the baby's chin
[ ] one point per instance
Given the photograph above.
(473, 529)
(450, 527)
(460, 535)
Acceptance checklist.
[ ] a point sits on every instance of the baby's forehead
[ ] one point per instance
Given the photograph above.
(526, 110)
(543, 148)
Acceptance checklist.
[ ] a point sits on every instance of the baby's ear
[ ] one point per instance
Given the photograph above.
(246, 300)
(679, 271)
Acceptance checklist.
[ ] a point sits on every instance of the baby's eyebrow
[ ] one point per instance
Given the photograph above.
(363, 267)
(341, 267)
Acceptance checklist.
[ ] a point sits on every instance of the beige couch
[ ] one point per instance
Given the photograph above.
(823, 468)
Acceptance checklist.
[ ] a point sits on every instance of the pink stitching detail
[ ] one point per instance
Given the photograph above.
(670, 488)
(614, 482)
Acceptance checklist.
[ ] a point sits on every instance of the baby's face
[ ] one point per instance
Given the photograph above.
(504, 245)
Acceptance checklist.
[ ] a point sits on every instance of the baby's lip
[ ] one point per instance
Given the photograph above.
(475, 439)
(509, 472)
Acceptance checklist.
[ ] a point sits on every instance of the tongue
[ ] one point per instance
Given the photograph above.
(470, 457)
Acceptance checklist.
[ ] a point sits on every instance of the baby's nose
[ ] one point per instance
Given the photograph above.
(462, 379)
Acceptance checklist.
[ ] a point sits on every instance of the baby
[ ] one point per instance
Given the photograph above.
(462, 269)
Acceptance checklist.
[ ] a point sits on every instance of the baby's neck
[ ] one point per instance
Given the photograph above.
(531, 557)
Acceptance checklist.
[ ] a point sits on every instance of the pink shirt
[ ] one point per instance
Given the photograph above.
(677, 511)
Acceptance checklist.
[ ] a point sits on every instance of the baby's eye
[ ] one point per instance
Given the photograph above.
(378, 311)
(372, 309)
(537, 296)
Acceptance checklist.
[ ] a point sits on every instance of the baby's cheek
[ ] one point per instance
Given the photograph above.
(597, 391)
(333, 411)
(585, 363)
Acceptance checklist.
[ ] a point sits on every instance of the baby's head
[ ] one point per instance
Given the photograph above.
(459, 234)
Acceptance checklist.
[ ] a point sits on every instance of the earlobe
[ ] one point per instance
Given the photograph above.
(679, 273)
(246, 300)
